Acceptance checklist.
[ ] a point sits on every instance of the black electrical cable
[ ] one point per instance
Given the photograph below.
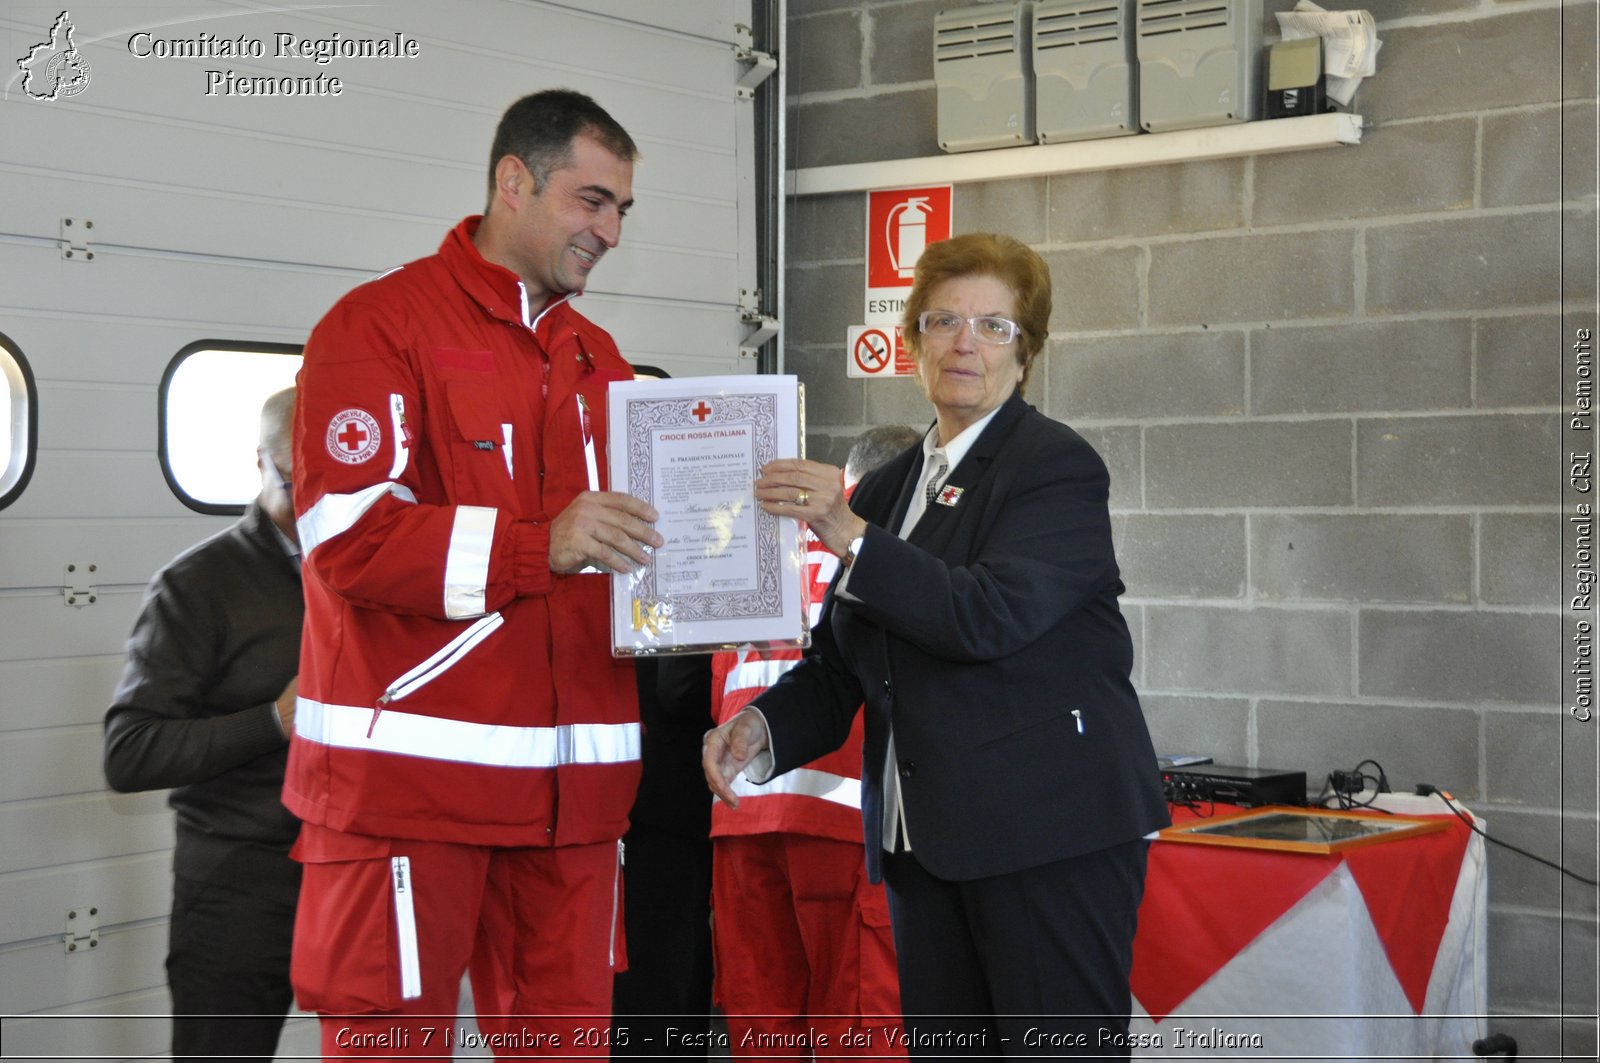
(1382, 782)
(1340, 796)
(1496, 1044)
(1424, 789)
(1183, 793)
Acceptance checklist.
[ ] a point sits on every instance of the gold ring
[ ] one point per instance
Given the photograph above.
(802, 498)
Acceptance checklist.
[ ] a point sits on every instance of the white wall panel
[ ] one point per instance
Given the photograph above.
(46, 975)
(130, 1025)
(245, 218)
(42, 626)
(125, 552)
(156, 286)
(708, 18)
(84, 347)
(126, 889)
(235, 164)
(341, 156)
(683, 338)
(475, 56)
(97, 417)
(57, 693)
(301, 1037)
(362, 236)
(133, 212)
(52, 763)
(70, 483)
(64, 830)
(663, 273)
(149, 286)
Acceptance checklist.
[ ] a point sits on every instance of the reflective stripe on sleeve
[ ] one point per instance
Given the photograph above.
(466, 564)
(336, 514)
(802, 782)
(755, 675)
(399, 436)
(823, 565)
(412, 735)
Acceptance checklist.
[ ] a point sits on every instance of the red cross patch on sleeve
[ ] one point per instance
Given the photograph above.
(354, 436)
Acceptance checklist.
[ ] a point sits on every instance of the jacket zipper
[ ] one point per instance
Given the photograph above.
(441, 662)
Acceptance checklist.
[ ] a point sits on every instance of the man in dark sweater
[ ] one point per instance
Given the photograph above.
(205, 706)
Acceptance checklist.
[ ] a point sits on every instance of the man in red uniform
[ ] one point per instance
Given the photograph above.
(466, 747)
(802, 941)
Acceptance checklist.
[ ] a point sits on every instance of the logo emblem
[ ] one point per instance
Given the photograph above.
(949, 496)
(55, 69)
(354, 436)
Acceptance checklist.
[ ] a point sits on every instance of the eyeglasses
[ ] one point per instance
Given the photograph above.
(995, 330)
(272, 470)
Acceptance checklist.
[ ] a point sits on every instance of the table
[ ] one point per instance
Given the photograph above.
(1378, 951)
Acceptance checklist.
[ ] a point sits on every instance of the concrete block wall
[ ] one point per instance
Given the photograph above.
(1329, 389)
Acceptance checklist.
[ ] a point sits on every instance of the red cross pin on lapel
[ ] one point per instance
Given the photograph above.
(949, 496)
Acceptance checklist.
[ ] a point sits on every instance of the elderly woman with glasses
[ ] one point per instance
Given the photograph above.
(1009, 784)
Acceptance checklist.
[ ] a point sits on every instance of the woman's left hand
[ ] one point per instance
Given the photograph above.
(812, 492)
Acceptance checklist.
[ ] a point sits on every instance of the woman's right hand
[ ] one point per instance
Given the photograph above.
(813, 492)
(727, 750)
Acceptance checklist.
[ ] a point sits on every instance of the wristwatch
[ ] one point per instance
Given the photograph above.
(852, 550)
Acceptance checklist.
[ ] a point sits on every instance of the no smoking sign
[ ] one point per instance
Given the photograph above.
(877, 351)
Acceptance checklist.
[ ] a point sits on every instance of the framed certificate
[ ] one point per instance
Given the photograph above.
(728, 573)
(1301, 830)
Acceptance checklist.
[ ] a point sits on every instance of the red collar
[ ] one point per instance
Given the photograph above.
(498, 290)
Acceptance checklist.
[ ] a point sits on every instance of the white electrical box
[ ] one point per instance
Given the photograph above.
(1084, 67)
(982, 63)
(1198, 62)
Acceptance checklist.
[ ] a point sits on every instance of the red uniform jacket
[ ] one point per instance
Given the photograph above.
(452, 688)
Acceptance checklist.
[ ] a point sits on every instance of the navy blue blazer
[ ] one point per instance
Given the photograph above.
(991, 638)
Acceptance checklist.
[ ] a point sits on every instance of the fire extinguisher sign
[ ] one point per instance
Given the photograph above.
(900, 223)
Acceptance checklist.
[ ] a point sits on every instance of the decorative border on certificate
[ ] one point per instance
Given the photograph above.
(751, 415)
(727, 572)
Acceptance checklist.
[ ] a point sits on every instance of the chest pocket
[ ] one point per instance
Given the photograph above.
(483, 448)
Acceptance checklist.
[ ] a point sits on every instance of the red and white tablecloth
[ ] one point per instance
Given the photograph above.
(1375, 952)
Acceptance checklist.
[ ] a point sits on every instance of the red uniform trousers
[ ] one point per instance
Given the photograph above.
(803, 947)
(386, 928)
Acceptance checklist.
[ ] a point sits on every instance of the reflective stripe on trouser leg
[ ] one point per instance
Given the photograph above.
(405, 925)
(616, 908)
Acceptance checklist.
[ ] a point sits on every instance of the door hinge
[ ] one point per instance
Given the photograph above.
(76, 590)
(766, 326)
(75, 244)
(83, 929)
(762, 65)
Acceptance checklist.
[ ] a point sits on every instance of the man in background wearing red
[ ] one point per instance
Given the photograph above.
(801, 937)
